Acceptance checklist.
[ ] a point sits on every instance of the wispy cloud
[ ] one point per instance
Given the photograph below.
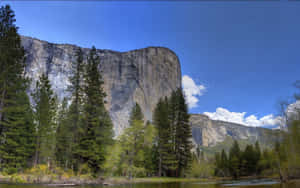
(192, 91)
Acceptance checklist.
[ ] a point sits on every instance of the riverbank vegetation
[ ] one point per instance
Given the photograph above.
(251, 162)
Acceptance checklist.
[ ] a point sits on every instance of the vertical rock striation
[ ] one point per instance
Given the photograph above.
(139, 76)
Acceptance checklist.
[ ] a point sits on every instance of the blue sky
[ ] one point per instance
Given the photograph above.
(243, 57)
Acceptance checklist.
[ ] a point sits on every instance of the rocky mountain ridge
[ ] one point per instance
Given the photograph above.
(209, 133)
(139, 76)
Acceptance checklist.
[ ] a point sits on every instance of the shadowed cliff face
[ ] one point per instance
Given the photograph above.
(209, 133)
(141, 76)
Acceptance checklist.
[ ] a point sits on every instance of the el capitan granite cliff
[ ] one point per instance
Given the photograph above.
(139, 76)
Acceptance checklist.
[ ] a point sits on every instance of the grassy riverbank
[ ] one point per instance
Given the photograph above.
(86, 179)
(60, 179)
(41, 174)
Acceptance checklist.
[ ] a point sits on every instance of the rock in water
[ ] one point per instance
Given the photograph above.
(139, 76)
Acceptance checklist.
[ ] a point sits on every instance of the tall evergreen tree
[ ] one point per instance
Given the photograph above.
(257, 157)
(11, 56)
(136, 114)
(183, 135)
(63, 153)
(97, 132)
(248, 161)
(175, 139)
(45, 117)
(18, 135)
(224, 163)
(76, 107)
(234, 160)
(174, 135)
(166, 158)
(16, 123)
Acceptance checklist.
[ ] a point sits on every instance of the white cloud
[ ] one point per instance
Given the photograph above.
(192, 91)
(240, 118)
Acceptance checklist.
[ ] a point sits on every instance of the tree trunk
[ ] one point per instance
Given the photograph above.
(159, 167)
(2, 104)
(36, 157)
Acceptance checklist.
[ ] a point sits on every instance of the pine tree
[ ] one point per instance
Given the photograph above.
(183, 135)
(257, 157)
(97, 131)
(11, 56)
(63, 153)
(76, 108)
(224, 163)
(16, 123)
(175, 139)
(18, 135)
(166, 157)
(248, 160)
(218, 164)
(45, 117)
(234, 160)
(174, 135)
(136, 114)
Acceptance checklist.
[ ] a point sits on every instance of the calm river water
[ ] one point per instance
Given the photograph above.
(237, 184)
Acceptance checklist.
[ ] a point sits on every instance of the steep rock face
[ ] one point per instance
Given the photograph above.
(209, 133)
(141, 76)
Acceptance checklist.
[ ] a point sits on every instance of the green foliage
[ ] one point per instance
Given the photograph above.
(45, 117)
(96, 133)
(288, 152)
(18, 136)
(222, 164)
(16, 118)
(167, 158)
(137, 144)
(174, 135)
(111, 167)
(136, 114)
(201, 169)
(75, 111)
(247, 162)
(234, 160)
(183, 133)
(64, 140)
(132, 143)
(133, 154)
(268, 164)
(70, 119)
(150, 150)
